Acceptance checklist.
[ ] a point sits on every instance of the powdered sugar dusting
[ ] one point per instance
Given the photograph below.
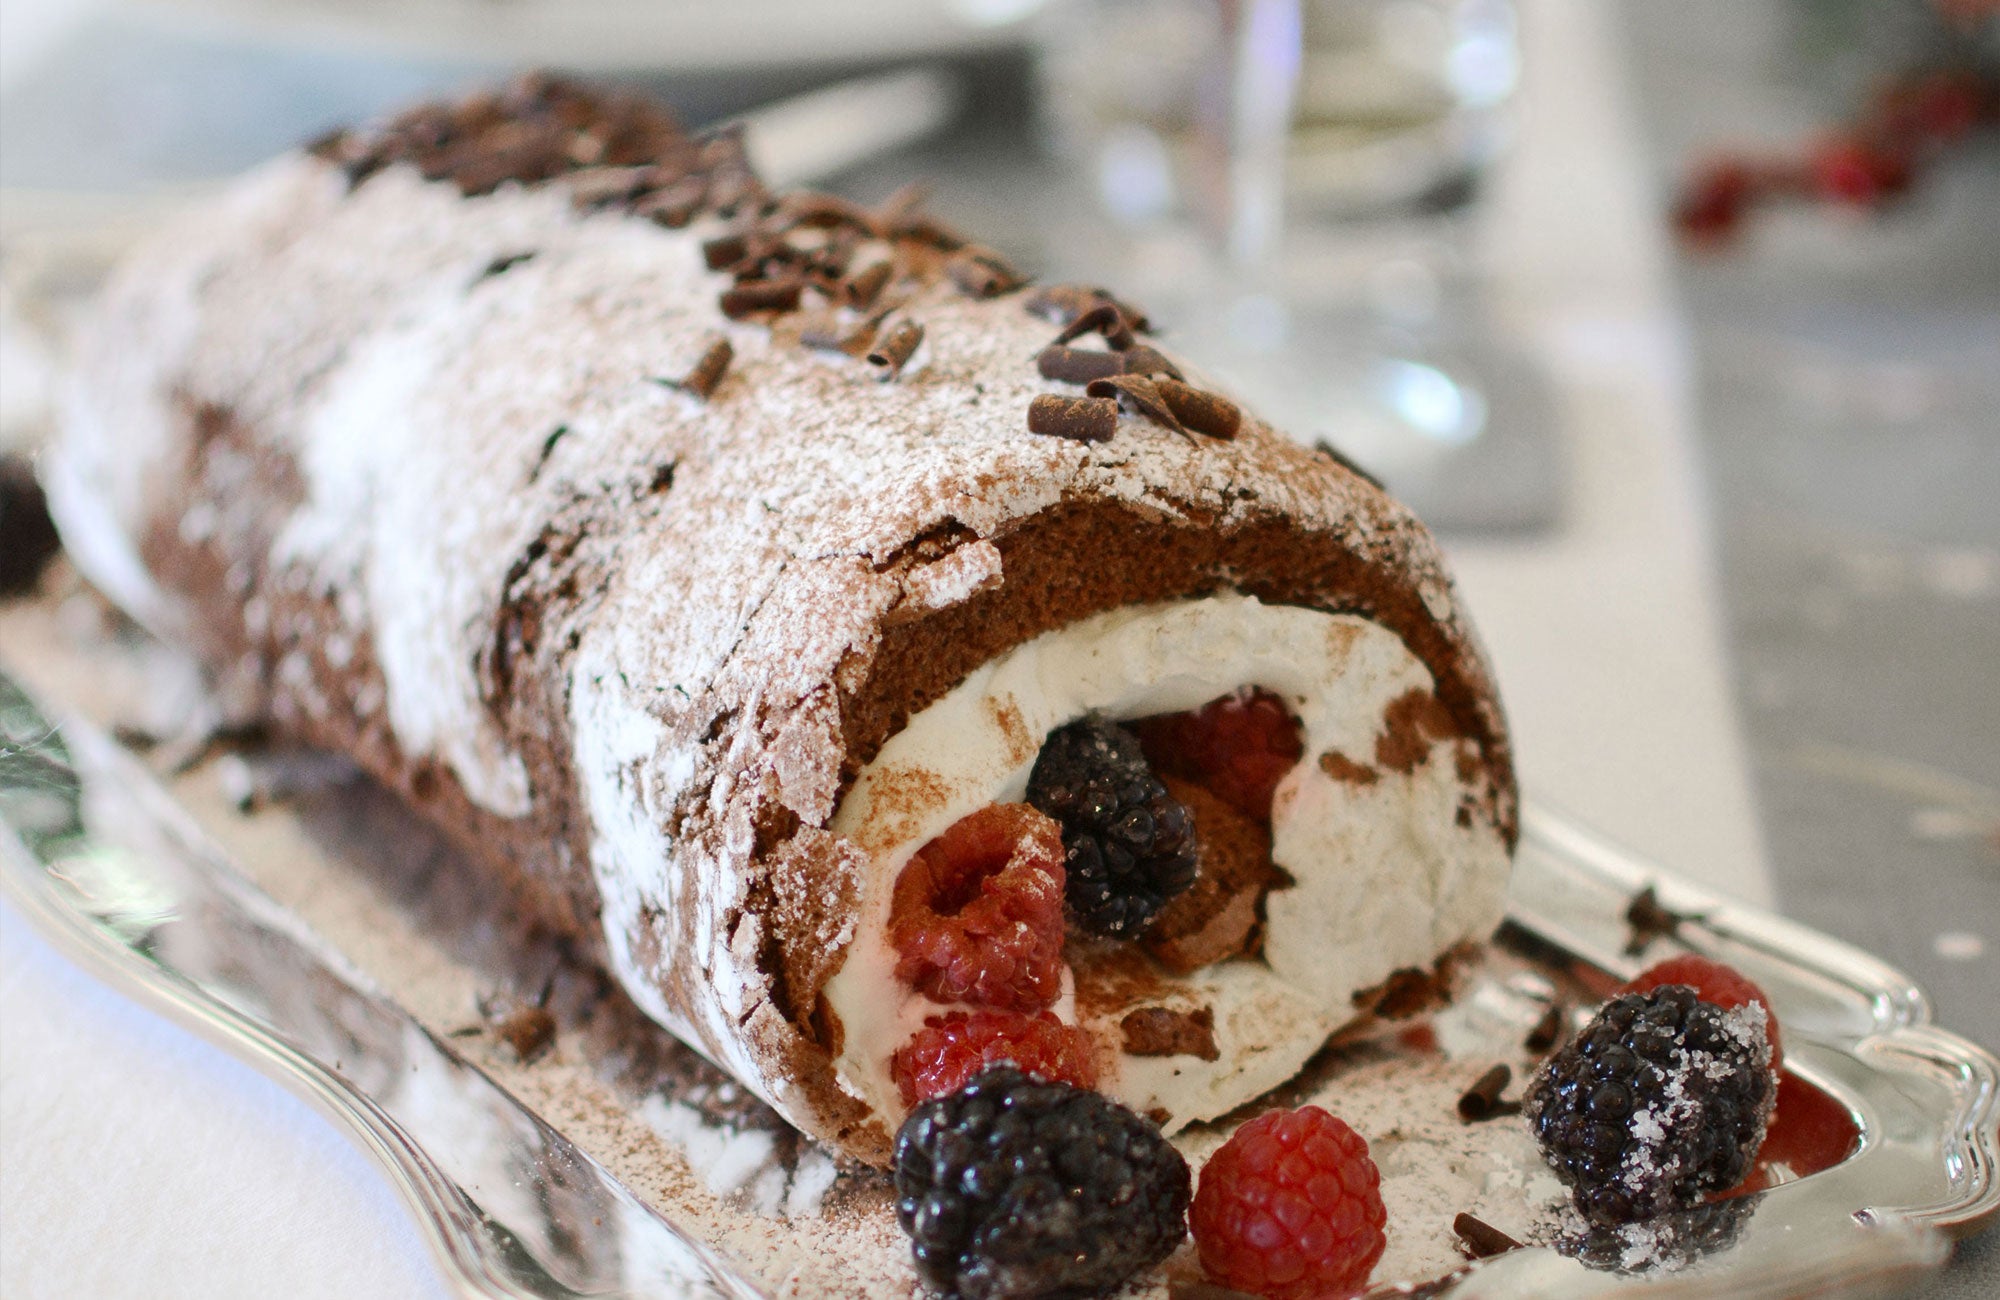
(441, 435)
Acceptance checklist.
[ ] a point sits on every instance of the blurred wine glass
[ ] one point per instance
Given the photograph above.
(1290, 185)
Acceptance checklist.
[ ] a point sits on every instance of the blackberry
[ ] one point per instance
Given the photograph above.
(1128, 845)
(28, 538)
(1665, 1244)
(1661, 1099)
(1015, 1187)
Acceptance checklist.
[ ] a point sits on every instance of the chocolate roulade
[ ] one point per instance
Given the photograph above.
(708, 561)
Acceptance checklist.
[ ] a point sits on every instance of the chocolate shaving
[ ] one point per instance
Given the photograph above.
(1080, 419)
(928, 230)
(675, 205)
(524, 1028)
(1650, 920)
(828, 334)
(761, 295)
(505, 263)
(1061, 304)
(707, 372)
(899, 208)
(1139, 394)
(981, 273)
(1548, 1030)
(1198, 409)
(1332, 453)
(829, 260)
(1106, 319)
(539, 128)
(892, 353)
(1482, 1240)
(1482, 1099)
(528, 1033)
(724, 251)
(865, 286)
(1077, 365)
(1408, 991)
(1161, 1031)
(1145, 359)
(812, 208)
(599, 187)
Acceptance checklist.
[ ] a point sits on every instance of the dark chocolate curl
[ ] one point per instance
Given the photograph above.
(892, 353)
(864, 286)
(829, 335)
(1482, 1099)
(824, 211)
(1482, 1240)
(898, 209)
(1547, 1030)
(724, 251)
(761, 295)
(1061, 304)
(1080, 419)
(599, 187)
(1077, 365)
(1138, 393)
(1198, 409)
(708, 371)
(981, 273)
(1105, 319)
(675, 204)
(1145, 359)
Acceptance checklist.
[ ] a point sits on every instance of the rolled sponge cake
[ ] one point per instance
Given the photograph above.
(408, 435)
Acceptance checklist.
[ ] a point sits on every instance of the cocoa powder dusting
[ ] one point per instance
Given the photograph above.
(1163, 1031)
(1413, 722)
(1342, 768)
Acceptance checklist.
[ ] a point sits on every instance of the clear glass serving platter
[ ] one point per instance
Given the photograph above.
(551, 1143)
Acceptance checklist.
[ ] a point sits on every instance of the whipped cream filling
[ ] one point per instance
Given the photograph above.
(1389, 873)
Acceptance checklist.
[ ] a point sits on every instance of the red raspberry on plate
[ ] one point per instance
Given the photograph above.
(949, 1050)
(1858, 172)
(1290, 1207)
(1715, 984)
(977, 915)
(1238, 747)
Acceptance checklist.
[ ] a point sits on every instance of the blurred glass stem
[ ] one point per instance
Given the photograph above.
(1244, 126)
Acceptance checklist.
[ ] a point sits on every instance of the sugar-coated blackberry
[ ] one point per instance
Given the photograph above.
(1016, 1187)
(1661, 1099)
(1664, 1244)
(1128, 845)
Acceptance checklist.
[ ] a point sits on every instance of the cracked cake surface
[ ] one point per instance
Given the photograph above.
(436, 466)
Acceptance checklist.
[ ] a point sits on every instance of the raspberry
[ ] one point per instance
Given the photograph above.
(1662, 1099)
(1128, 845)
(1290, 1207)
(943, 1056)
(977, 913)
(1013, 1187)
(1239, 747)
(1857, 172)
(1712, 982)
(1712, 207)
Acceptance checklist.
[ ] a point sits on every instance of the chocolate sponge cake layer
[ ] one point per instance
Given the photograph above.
(617, 513)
